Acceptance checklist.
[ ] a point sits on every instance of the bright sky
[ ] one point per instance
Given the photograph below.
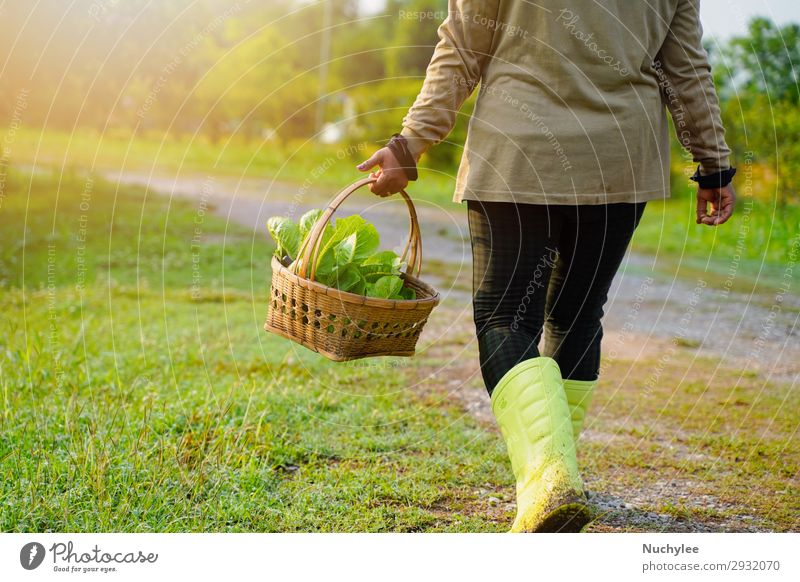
(724, 18)
(721, 18)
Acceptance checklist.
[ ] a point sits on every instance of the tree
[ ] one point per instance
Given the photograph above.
(415, 36)
(758, 77)
(766, 60)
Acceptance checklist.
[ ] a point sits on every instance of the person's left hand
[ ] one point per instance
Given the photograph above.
(715, 205)
(391, 176)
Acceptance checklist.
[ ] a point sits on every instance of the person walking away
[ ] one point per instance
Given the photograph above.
(567, 144)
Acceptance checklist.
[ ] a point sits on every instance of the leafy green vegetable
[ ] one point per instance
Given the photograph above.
(385, 287)
(367, 237)
(349, 278)
(407, 293)
(381, 258)
(372, 273)
(336, 250)
(345, 251)
(349, 258)
(286, 235)
(381, 264)
(388, 259)
(308, 220)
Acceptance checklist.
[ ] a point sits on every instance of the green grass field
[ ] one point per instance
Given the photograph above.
(753, 247)
(758, 239)
(302, 161)
(140, 393)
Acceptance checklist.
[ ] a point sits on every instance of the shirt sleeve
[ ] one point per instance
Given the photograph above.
(689, 90)
(465, 39)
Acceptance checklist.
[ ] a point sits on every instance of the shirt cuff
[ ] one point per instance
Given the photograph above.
(417, 145)
(713, 166)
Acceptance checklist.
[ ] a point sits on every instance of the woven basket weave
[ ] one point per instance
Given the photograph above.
(341, 325)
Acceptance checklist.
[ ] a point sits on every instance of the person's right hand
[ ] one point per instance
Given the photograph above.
(391, 178)
(715, 205)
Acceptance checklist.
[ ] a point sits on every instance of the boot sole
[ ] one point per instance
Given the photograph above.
(567, 518)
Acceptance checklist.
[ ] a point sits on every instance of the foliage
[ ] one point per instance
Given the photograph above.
(415, 36)
(348, 257)
(207, 67)
(765, 61)
(234, 85)
(767, 133)
(759, 82)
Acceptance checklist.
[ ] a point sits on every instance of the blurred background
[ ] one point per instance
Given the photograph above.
(262, 78)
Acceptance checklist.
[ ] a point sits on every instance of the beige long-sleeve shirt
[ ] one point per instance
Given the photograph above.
(572, 98)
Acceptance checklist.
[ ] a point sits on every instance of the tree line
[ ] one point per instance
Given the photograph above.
(253, 68)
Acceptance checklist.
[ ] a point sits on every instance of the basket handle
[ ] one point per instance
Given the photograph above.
(309, 250)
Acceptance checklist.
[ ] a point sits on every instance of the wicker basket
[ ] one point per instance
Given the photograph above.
(341, 325)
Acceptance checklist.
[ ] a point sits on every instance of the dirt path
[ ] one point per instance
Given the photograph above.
(661, 331)
(649, 307)
(647, 467)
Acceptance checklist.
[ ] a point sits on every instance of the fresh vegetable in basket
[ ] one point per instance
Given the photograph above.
(348, 259)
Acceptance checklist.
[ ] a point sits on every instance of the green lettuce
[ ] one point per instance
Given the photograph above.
(348, 258)
(308, 220)
(286, 235)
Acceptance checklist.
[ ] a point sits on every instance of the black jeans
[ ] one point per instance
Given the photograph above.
(541, 267)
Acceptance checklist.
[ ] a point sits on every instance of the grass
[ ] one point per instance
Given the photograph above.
(140, 393)
(303, 162)
(674, 441)
(756, 244)
(705, 443)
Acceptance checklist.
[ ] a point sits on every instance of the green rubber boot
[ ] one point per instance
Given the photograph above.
(531, 408)
(579, 396)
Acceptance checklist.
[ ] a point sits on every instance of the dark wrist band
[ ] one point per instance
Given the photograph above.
(712, 181)
(399, 147)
